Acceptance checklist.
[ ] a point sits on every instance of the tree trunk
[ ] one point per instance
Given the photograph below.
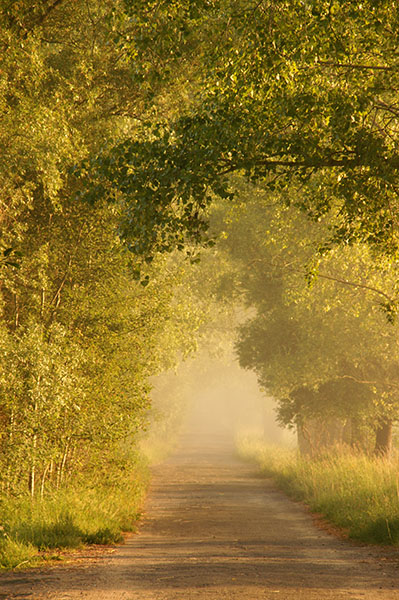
(32, 479)
(44, 475)
(357, 441)
(304, 442)
(383, 439)
(61, 467)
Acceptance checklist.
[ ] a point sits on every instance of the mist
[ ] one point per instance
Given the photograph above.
(212, 397)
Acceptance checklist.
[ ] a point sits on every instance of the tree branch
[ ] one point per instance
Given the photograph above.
(47, 12)
(353, 284)
(366, 382)
(293, 164)
(356, 285)
(330, 63)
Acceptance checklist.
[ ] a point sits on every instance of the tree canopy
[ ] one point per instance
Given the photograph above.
(294, 91)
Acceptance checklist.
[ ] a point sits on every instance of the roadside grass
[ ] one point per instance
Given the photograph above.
(357, 493)
(86, 513)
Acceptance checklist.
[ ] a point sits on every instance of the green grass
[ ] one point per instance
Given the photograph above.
(71, 517)
(355, 492)
(16, 554)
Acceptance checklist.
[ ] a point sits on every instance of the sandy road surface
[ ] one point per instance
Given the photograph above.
(214, 530)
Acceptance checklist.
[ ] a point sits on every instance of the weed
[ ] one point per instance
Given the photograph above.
(15, 554)
(72, 516)
(353, 491)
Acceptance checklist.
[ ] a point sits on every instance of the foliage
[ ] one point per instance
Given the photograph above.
(303, 92)
(80, 334)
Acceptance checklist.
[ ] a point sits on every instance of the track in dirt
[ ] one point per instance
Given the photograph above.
(215, 530)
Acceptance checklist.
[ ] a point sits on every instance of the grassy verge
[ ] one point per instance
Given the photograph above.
(357, 493)
(97, 512)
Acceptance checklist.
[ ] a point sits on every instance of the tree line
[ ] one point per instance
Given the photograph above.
(81, 331)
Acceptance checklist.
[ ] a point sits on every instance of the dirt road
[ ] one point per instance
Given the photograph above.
(215, 530)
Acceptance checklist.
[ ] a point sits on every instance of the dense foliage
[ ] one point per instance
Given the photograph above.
(80, 335)
(296, 91)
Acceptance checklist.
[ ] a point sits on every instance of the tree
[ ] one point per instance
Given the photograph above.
(302, 91)
(321, 347)
(80, 335)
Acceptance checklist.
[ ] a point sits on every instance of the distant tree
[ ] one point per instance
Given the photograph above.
(319, 344)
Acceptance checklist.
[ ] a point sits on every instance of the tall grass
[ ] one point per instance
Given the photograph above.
(89, 512)
(355, 492)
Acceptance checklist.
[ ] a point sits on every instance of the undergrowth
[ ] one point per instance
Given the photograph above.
(357, 493)
(88, 512)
